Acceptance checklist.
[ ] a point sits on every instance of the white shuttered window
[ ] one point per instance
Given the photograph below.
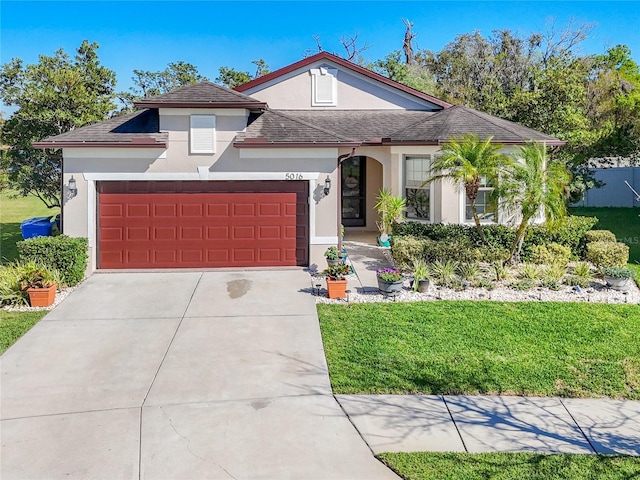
(324, 85)
(203, 134)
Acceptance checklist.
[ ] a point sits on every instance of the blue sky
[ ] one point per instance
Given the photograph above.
(147, 35)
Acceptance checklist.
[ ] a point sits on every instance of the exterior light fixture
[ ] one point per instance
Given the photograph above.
(73, 187)
(327, 185)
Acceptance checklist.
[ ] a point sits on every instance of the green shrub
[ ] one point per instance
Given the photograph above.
(608, 254)
(11, 292)
(553, 253)
(406, 250)
(523, 284)
(530, 271)
(468, 271)
(581, 275)
(459, 249)
(444, 271)
(600, 236)
(65, 254)
(571, 233)
(617, 272)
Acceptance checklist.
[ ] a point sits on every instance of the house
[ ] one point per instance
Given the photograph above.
(205, 176)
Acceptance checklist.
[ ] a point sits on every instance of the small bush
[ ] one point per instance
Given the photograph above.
(530, 271)
(65, 254)
(444, 271)
(617, 272)
(523, 284)
(500, 271)
(468, 271)
(571, 233)
(459, 249)
(608, 254)
(600, 236)
(552, 253)
(406, 250)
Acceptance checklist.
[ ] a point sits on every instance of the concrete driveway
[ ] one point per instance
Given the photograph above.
(178, 375)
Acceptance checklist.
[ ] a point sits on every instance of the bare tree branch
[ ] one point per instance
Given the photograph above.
(351, 47)
(408, 38)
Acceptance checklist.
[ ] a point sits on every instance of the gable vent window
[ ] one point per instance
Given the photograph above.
(203, 134)
(324, 86)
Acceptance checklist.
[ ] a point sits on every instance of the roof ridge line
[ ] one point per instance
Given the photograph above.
(422, 120)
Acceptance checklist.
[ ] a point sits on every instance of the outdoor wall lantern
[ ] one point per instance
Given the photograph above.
(327, 185)
(73, 187)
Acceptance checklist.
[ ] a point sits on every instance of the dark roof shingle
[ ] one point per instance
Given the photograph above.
(139, 128)
(204, 94)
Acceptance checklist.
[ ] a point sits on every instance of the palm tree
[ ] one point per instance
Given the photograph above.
(468, 160)
(532, 186)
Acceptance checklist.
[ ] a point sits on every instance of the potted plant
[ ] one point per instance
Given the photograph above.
(390, 209)
(336, 280)
(40, 282)
(333, 256)
(389, 280)
(421, 274)
(617, 278)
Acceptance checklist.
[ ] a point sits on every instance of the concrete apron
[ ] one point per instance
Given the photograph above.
(178, 375)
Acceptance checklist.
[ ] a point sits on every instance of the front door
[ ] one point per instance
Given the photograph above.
(353, 192)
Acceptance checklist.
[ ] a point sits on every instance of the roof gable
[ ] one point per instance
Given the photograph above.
(202, 95)
(345, 64)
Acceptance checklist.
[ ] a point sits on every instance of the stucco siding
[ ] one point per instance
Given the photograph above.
(355, 92)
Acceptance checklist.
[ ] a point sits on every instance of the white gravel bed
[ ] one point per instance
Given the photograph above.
(597, 293)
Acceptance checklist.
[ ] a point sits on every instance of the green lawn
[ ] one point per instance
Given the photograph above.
(15, 324)
(511, 466)
(484, 347)
(12, 212)
(624, 222)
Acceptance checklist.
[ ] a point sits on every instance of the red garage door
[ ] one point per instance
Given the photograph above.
(202, 224)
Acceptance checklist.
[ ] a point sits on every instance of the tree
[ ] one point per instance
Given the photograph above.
(529, 186)
(469, 160)
(231, 78)
(149, 84)
(53, 96)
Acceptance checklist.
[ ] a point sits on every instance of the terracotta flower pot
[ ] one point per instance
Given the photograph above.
(337, 288)
(42, 297)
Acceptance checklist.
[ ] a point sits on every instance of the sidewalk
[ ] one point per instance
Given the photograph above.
(411, 423)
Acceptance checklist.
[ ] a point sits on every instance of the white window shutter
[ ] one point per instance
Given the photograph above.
(324, 85)
(203, 134)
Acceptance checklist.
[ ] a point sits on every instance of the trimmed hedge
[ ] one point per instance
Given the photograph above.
(608, 254)
(600, 236)
(67, 255)
(570, 233)
(406, 250)
(552, 253)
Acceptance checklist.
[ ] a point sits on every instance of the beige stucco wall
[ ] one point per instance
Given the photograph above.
(354, 91)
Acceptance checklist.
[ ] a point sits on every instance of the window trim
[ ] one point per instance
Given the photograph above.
(192, 146)
(429, 187)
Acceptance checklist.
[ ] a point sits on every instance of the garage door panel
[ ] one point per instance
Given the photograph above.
(202, 224)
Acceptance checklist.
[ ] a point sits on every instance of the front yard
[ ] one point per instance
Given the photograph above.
(484, 347)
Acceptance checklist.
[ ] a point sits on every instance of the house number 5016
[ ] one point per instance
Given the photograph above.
(293, 176)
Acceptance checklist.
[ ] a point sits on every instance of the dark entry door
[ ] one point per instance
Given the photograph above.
(353, 192)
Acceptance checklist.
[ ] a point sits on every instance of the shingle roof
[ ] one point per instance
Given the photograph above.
(204, 94)
(383, 127)
(274, 126)
(458, 120)
(140, 128)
